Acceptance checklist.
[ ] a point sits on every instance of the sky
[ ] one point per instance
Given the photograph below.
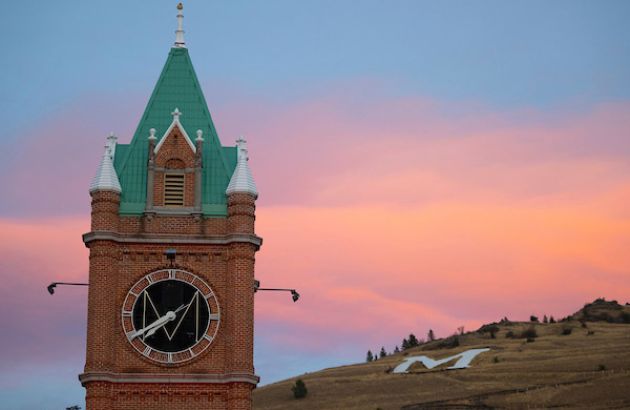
(421, 165)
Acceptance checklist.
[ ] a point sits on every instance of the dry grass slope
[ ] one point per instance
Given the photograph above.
(578, 370)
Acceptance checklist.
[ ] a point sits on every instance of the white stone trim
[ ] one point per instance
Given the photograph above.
(179, 125)
(167, 378)
(173, 239)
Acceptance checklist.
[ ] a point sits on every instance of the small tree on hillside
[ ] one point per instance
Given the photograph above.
(552, 320)
(405, 344)
(369, 356)
(545, 320)
(533, 318)
(383, 353)
(413, 341)
(431, 335)
(492, 329)
(299, 389)
(396, 349)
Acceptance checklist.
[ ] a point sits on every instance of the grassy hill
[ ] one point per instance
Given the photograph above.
(580, 363)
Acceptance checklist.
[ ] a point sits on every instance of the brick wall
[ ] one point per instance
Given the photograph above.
(162, 396)
(116, 266)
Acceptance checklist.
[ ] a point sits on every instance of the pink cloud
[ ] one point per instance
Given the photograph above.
(35, 253)
(389, 215)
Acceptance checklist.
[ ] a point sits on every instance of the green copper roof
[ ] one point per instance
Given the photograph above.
(177, 87)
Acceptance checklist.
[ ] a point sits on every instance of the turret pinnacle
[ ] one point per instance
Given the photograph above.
(242, 181)
(106, 178)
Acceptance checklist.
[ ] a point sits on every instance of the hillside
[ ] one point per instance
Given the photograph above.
(588, 368)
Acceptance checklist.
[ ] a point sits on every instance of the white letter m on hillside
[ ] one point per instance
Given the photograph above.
(464, 359)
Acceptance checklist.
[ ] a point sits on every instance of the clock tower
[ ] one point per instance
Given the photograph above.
(172, 247)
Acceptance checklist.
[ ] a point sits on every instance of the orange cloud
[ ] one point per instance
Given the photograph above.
(393, 216)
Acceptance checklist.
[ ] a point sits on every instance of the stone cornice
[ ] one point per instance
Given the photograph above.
(167, 378)
(173, 239)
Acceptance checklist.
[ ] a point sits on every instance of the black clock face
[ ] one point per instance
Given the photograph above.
(170, 316)
(182, 329)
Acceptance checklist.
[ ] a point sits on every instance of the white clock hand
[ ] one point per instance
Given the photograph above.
(182, 307)
(169, 315)
(153, 327)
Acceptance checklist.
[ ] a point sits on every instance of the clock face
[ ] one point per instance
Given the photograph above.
(170, 316)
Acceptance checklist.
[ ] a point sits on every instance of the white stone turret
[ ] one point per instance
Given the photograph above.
(242, 181)
(106, 178)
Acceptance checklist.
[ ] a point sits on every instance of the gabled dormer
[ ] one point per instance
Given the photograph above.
(174, 170)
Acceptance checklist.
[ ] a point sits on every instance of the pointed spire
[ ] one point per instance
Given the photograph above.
(106, 178)
(242, 181)
(112, 139)
(179, 33)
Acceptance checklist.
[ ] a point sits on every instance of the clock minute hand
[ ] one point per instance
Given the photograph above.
(182, 307)
(153, 327)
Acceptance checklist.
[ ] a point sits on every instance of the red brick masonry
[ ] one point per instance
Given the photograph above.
(125, 248)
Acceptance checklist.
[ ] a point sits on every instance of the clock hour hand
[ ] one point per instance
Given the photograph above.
(153, 327)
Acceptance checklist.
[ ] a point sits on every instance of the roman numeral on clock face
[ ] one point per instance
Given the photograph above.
(171, 315)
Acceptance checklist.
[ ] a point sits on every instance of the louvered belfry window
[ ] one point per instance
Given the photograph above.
(174, 189)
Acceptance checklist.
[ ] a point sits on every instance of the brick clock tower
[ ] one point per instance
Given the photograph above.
(172, 245)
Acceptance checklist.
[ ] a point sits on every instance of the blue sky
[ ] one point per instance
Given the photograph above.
(534, 53)
(74, 70)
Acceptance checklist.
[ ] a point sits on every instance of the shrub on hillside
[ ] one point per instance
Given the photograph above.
(529, 333)
(566, 330)
(490, 328)
(533, 318)
(449, 342)
(510, 334)
(493, 330)
(299, 389)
